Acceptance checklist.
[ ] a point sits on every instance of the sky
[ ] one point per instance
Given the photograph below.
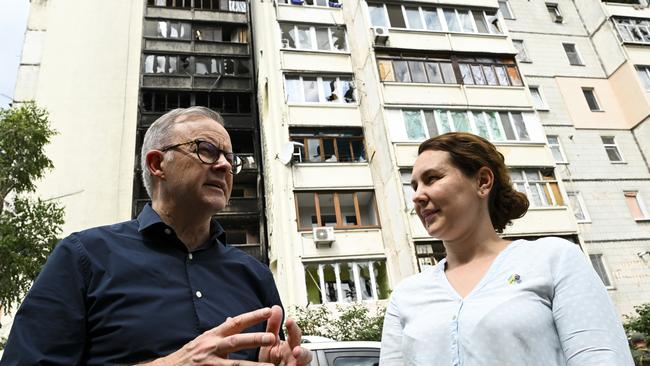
(13, 20)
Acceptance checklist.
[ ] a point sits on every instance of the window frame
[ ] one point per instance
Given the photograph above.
(373, 264)
(337, 210)
(640, 204)
(559, 148)
(581, 206)
(314, 39)
(590, 92)
(579, 60)
(556, 15)
(434, 255)
(522, 52)
(305, 151)
(511, 14)
(340, 100)
(605, 270)
(529, 185)
(645, 80)
(542, 106)
(614, 146)
(628, 28)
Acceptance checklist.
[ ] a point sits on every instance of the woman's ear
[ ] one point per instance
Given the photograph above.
(154, 159)
(485, 181)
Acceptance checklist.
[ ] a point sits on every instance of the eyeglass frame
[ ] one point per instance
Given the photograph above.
(235, 165)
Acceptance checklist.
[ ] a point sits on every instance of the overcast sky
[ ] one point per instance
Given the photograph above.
(13, 20)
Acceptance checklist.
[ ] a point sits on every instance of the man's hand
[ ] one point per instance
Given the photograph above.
(213, 346)
(284, 353)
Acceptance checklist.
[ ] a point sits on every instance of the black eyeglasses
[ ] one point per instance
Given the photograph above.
(210, 154)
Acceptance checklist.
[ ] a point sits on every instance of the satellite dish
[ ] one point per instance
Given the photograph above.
(288, 149)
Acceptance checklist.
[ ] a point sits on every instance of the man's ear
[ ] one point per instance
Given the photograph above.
(154, 159)
(485, 181)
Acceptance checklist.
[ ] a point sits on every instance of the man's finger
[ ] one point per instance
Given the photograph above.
(302, 355)
(275, 320)
(294, 335)
(237, 324)
(239, 342)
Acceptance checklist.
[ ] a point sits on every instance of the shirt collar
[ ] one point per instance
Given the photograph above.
(149, 219)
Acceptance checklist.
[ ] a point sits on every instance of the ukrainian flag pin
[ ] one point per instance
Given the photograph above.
(515, 278)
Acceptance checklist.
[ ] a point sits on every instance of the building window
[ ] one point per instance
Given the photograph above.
(522, 54)
(407, 189)
(309, 37)
(611, 148)
(633, 29)
(599, 267)
(220, 5)
(572, 54)
(538, 99)
(418, 125)
(429, 253)
(540, 186)
(590, 97)
(434, 69)
(321, 145)
(167, 29)
(554, 11)
(319, 89)
(164, 101)
(504, 8)
(434, 19)
(352, 281)
(578, 206)
(225, 33)
(556, 149)
(340, 209)
(166, 64)
(644, 75)
(636, 206)
(171, 3)
(328, 3)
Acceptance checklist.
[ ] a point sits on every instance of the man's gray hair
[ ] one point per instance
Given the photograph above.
(159, 135)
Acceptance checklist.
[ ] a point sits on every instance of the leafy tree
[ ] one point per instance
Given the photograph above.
(28, 226)
(353, 322)
(639, 322)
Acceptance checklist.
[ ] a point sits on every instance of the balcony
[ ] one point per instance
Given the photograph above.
(300, 60)
(167, 81)
(331, 175)
(221, 48)
(196, 14)
(324, 114)
(348, 243)
(241, 206)
(309, 14)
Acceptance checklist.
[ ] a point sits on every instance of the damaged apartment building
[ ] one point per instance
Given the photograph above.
(327, 101)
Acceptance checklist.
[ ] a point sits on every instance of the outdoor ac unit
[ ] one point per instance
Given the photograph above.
(380, 34)
(559, 19)
(323, 236)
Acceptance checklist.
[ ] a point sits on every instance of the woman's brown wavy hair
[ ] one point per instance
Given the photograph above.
(469, 153)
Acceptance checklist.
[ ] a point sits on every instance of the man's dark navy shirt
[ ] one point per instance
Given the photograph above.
(131, 292)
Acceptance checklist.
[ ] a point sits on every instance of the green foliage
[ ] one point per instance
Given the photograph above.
(639, 322)
(24, 131)
(353, 323)
(28, 226)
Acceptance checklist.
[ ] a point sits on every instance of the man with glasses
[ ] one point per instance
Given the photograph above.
(162, 289)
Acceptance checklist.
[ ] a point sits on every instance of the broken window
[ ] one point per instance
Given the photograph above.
(378, 15)
(346, 281)
(540, 186)
(329, 207)
(330, 146)
(237, 6)
(307, 37)
(319, 89)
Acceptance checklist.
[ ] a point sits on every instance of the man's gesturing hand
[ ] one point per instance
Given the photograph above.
(213, 346)
(284, 353)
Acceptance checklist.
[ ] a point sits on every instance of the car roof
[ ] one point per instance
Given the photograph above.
(341, 345)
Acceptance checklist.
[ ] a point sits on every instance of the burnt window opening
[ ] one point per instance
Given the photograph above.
(164, 101)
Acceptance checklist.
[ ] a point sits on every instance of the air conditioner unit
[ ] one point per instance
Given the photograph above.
(559, 19)
(380, 35)
(323, 236)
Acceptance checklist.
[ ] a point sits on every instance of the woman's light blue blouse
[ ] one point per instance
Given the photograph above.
(540, 303)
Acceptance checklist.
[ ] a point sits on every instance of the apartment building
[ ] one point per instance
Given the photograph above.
(584, 65)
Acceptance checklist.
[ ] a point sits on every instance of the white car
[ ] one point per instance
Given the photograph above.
(327, 352)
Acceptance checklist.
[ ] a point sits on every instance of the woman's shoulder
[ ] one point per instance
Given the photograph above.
(549, 245)
(418, 281)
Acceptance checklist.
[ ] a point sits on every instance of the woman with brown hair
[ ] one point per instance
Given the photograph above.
(492, 301)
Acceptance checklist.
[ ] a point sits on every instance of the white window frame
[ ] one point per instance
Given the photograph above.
(558, 146)
(627, 27)
(356, 269)
(321, 95)
(557, 17)
(605, 269)
(615, 146)
(581, 205)
(640, 204)
(522, 54)
(522, 178)
(542, 106)
(575, 47)
(314, 39)
(510, 12)
(596, 99)
(644, 70)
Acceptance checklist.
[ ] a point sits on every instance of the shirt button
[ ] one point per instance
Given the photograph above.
(199, 294)
(168, 231)
(190, 256)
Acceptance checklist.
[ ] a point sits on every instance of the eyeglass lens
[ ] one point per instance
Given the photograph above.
(209, 154)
